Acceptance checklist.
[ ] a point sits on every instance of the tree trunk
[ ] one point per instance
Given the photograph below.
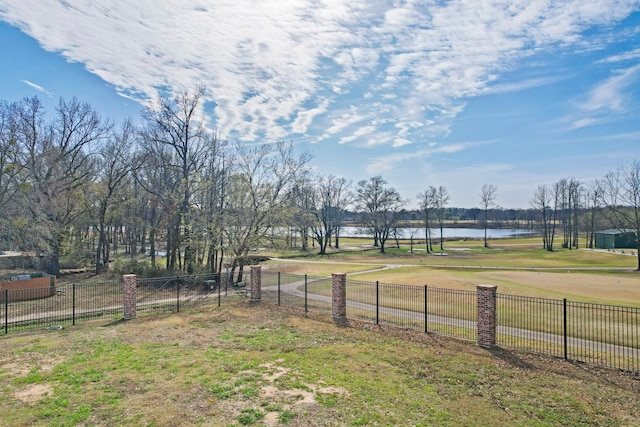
(152, 246)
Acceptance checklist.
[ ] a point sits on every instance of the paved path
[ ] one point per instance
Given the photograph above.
(577, 344)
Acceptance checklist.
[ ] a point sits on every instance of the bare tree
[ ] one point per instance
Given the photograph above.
(330, 198)
(114, 164)
(212, 196)
(59, 166)
(159, 185)
(176, 132)
(541, 201)
(256, 199)
(428, 205)
(488, 195)
(569, 200)
(12, 162)
(441, 200)
(380, 206)
(593, 198)
(621, 196)
(303, 205)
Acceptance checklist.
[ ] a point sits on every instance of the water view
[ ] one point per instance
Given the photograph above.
(448, 233)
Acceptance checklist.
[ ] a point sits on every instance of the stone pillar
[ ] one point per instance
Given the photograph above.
(256, 283)
(339, 298)
(130, 283)
(487, 317)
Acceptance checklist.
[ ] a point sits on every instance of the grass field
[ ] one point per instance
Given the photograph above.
(247, 364)
(516, 266)
(517, 253)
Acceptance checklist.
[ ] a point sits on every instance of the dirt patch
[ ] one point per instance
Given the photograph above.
(294, 396)
(15, 369)
(33, 393)
(23, 367)
(278, 371)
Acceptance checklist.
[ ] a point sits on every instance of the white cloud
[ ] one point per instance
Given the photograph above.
(37, 87)
(520, 85)
(399, 142)
(577, 124)
(358, 133)
(304, 118)
(611, 93)
(389, 162)
(626, 56)
(273, 68)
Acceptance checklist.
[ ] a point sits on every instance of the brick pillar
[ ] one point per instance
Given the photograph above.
(256, 283)
(339, 298)
(487, 315)
(130, 283)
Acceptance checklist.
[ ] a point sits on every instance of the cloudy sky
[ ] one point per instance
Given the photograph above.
(452, 93)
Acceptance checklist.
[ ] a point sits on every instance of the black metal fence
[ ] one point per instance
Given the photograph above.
(22, 309)
(600, 334)
(297, 291)
(443, 311)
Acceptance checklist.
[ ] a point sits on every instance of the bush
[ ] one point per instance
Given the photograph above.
(141, 268)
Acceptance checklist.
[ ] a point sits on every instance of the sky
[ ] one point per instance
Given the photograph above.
(445, 93)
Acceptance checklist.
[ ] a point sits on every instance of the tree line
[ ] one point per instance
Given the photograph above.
(75, 184)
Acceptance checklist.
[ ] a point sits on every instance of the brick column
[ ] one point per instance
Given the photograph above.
(339, 298)
(130, 283)
(256, 283)
(487, 315)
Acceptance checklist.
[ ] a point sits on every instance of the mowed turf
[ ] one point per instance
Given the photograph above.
(620, 288)
(254, 364)
(516, 266)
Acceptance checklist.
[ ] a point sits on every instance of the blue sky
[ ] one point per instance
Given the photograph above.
(453, 93)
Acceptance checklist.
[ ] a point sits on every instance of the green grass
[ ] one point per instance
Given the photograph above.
(463, 254)
(247, 364)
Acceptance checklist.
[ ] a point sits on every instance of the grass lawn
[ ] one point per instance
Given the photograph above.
(617, 287)
(504, 256)
(246, 364)
(517, 266)
(318, 266)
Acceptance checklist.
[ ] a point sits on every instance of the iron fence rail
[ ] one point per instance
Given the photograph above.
(601, 334)
(436, 310)
(21, 309)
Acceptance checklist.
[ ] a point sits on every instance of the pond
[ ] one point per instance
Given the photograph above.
(447, 233)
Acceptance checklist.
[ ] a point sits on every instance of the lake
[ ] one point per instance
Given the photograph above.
(447, 233)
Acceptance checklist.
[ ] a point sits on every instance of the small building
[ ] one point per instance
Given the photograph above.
(23, 287)
(616, 239)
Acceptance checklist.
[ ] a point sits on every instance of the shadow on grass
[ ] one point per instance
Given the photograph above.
(115, 322)
(511, 358)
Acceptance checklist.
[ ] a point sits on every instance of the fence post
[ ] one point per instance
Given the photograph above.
(339, 298)
(130, 284)
(564, 326)
(6, 311)
(256, 283)
(487, 321)
(426, 312)
(306, 307)
(278, 289)
(73, 304)
(377, 302)
(178, 283)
